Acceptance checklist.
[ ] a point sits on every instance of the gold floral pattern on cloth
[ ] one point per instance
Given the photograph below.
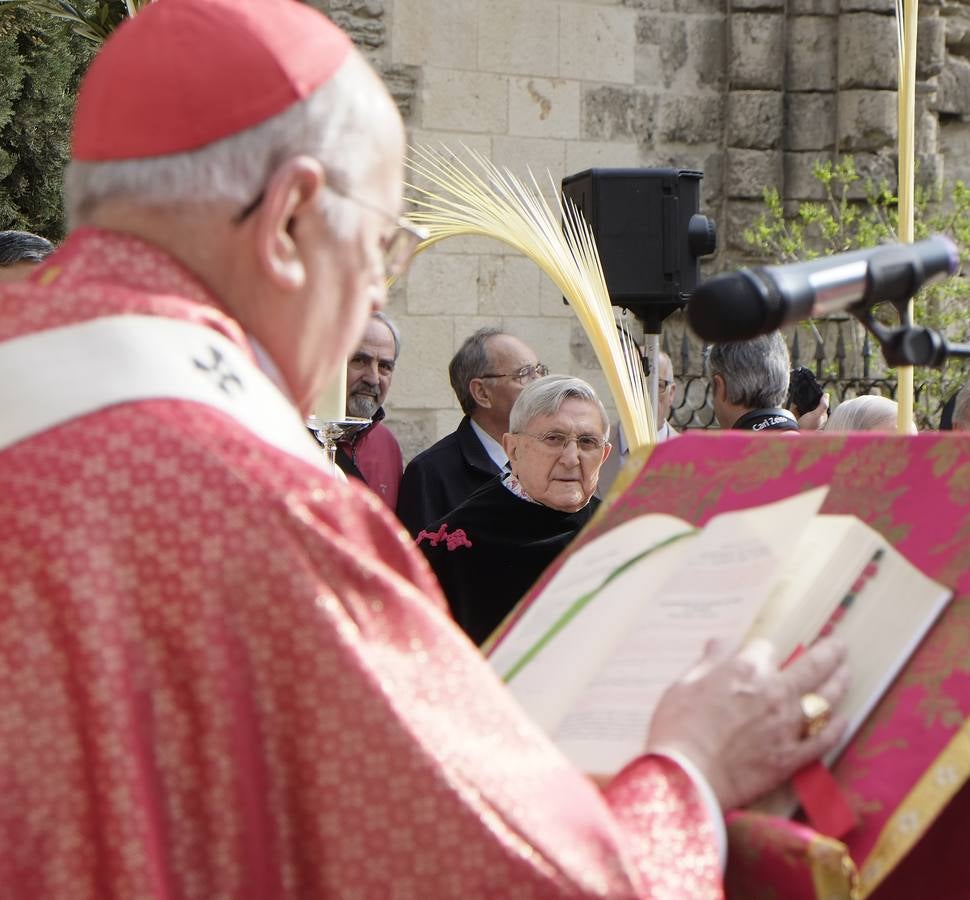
(868, 485)
(786, 864)
(225, 675)
(943, 457)
(916, 813)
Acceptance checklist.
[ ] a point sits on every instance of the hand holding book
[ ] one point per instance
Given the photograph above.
(591, 655)
(739, 720)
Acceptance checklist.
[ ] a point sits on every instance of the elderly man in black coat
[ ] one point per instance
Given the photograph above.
(489, 550)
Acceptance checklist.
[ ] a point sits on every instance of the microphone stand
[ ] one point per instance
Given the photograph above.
(909, 344)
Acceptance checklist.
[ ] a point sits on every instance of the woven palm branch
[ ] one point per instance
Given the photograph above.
(492, 202)
(93, 26)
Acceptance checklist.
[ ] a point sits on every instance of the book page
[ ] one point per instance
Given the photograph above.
(818, 572)
(867, 593)
(711, 586)
(882, 623)
(593, 619)
(881, 615)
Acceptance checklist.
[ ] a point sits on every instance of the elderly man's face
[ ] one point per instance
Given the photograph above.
(666, 388)
(561, 477)
(507, 355)
(369, 370)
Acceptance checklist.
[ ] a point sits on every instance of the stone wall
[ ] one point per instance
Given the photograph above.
(752, 92)
(812, 79)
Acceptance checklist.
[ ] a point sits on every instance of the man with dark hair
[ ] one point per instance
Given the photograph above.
(487, 374)
(20, 251)
(373, 454)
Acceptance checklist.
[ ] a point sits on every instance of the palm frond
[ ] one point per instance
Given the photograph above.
(492, 202)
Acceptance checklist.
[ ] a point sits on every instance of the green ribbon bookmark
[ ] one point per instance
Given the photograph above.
(575, 608)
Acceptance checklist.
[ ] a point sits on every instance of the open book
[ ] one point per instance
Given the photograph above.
(630, 612)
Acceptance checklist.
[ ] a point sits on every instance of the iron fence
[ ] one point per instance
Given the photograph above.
(845, 361)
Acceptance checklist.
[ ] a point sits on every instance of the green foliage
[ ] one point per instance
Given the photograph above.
(40, 64)
(93, 20)
(44, 48)
(856, 213)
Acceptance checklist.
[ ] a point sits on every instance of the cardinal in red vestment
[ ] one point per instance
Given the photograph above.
(223, 673)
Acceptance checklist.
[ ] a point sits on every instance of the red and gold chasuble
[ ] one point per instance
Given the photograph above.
(225, 675)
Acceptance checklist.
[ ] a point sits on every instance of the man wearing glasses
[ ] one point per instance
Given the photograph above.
(487, 374)
(223, 672)
(666, 390)
(490, 550)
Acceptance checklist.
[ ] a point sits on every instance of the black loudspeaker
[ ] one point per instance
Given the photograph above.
(649, 233)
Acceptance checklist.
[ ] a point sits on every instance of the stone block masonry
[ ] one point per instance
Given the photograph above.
(754, 92)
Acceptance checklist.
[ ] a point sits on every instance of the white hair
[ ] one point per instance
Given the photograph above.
(545, 397)
(334, 125)
(870, 412)
(755, 372)
(391, 327)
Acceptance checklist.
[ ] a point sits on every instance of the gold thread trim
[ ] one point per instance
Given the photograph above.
(834, 875)
(935, 788)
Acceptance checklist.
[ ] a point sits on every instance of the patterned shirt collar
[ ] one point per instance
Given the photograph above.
(511, 483)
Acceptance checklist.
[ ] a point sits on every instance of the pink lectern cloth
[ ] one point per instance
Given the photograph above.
(913, 754)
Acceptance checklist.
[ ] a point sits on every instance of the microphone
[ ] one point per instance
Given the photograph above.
(736, 306)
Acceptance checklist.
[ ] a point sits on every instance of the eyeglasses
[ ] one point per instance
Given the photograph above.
(398, 249)
(400, 246)
(556, 442)
(526, 373)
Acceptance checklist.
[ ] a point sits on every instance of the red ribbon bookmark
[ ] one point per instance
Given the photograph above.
(825, 805)
(823, 801)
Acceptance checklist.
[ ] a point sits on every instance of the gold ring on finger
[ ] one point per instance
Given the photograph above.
(816, 714)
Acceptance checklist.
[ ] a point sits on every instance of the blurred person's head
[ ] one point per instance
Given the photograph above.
(20, 251)
(666, 387)
(557, 441)
(961, 409)
(870, 412)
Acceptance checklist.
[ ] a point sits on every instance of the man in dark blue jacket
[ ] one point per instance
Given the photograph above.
(487, 374)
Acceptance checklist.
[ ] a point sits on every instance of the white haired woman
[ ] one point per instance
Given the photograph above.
(489, 550)
(870, 412)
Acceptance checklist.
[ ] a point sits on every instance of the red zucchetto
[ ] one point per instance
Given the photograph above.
(184, 73)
